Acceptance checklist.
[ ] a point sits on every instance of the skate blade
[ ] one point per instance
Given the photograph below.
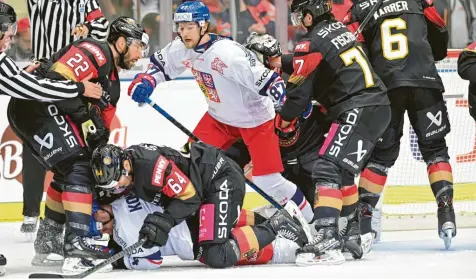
(330, 257)
(74, 266)
(448, 235)
(296, 214)
(367, 241)
(47, 260)
(2, 270)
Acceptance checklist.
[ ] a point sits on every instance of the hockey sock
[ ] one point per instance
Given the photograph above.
(441, 180)
(251, 240)
(303, 205)
(371, 183)
(249, 218)
(328, 202)
(350, 200)
(77, 202)
(54, 209)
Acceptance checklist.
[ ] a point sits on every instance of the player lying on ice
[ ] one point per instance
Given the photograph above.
(207, 190)
(129, 212)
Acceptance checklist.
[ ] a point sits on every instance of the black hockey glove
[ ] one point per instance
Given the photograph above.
(288, 133)
(156, 228)
(264, 46)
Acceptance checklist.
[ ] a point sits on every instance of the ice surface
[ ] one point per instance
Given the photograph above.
(412, 254)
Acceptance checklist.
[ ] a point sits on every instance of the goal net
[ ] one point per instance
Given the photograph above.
(408, 202)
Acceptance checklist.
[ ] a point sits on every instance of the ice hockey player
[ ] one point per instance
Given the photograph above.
(207, 187)
(329, 67)
(467, 71)
(239, 92)
(403, 39)
(129, 212)
(60, 136)
(300, 152)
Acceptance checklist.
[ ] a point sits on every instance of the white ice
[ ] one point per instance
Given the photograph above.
(410, 254)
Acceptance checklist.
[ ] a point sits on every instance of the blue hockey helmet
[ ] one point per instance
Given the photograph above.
(191, 11)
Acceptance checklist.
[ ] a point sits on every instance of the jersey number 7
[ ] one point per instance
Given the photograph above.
(356, 54)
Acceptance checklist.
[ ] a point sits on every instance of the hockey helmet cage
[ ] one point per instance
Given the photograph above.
(317, 8)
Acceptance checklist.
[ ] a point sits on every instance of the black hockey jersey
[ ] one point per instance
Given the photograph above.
(467, 71)
(403, 39)
(163, 176)
(330, 67)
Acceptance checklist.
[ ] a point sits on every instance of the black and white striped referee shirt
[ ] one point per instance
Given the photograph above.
(52, 22)
(19, 84)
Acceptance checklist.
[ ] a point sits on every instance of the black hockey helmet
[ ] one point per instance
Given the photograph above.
(8, 19)
(107, 165)
(317, 8)
(132, 31)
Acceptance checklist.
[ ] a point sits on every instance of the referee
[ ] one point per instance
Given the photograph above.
(20, 84)
(55, 24)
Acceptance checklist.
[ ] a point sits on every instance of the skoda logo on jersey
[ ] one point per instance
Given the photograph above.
(47, 141)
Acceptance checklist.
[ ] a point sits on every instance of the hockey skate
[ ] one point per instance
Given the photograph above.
(446, 218)
(29, 227)
(325, 248)
(82, 253)
(350, 234)
(367, 234)
(3, 263)
(285, 226)
(48, 244)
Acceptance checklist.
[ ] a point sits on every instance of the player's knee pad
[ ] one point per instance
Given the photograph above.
(326, 171)
(348, 178)
(434, 150)
(432, 123)
(220, 255)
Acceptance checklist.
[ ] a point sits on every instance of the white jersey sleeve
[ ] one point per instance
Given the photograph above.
(168, 62)
(249, 72)
(129, 214)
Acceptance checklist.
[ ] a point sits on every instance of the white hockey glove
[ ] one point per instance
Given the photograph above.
(264, 46)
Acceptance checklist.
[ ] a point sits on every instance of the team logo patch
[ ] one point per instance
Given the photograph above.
(302, 47)
(218, 65)
(107, 160)
(206, 84)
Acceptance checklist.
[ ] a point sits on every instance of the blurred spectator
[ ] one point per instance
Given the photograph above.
(462, 23)
(257, 16)
(340, 8)
(151, 23)
(20, 50)
(144, 8)
(115, 8)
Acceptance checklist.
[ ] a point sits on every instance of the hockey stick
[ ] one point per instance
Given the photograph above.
(368, 17)
(195, 138)
(90, 271)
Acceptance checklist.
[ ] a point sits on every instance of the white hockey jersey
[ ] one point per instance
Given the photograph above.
(237, 87)
(129, 213)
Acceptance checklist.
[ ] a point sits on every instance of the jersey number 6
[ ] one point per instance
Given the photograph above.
(389, 40)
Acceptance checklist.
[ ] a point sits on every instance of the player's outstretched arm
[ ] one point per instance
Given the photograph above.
(167, 65)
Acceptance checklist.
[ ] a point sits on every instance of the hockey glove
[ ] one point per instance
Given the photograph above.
(156, 228)
(287, 133)
(264, 46)
(141, 87)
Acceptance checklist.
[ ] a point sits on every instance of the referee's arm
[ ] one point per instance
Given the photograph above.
(20, 84)
(95, 21)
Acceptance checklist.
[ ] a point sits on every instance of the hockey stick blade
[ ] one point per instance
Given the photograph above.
(195, 138)
(368, 17)
(90, 271)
